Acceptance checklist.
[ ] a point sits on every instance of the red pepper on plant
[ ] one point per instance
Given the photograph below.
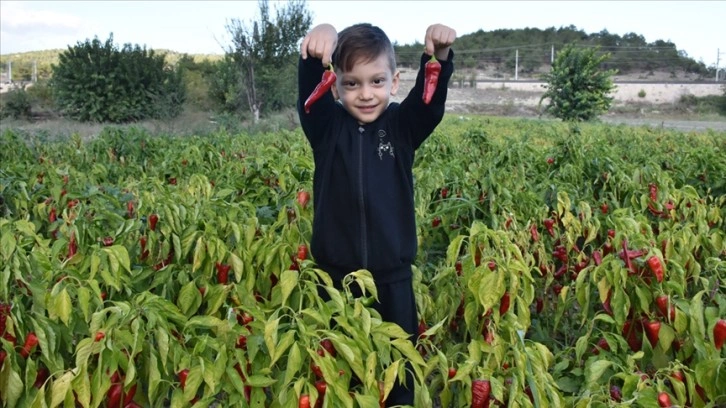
(30, 342)
(549, 224)
(183, 374)
(666, 310)
(657, 267)
(601, 344)
(40, 377)
(664, 400)
(533, 232)
(452, 372)
(719, 334)
(303, 197)
(652, 329)
(302, 252)
(222, 273)
(653, 188)
(114, 394)
(72, 245)
(323, 86)
(129, 397)
(504, 304)
(480, 390)
(327, 344)
(432, 70)
(153, 219)
(322, 387)
(615, 393)
(130, 209)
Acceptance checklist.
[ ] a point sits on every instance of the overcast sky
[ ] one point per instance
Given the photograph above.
(696, 27)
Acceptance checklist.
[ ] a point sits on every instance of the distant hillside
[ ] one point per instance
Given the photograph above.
(22, 63)
(497, 52)
(531, 50)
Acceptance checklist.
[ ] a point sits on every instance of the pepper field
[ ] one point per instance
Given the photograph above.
(559, 265)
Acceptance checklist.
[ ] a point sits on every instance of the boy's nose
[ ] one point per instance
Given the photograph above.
(366, 92)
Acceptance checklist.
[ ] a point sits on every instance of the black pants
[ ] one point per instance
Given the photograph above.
(396, 304)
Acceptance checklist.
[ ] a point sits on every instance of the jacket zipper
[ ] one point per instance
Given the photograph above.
(361, 201)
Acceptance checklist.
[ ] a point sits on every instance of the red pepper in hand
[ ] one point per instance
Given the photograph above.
(432, 69)
(326, 82)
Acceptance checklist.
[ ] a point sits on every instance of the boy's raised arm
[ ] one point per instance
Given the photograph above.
(316, 52)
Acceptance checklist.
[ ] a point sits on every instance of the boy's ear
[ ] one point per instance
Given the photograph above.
(334, 89)
(396, 81)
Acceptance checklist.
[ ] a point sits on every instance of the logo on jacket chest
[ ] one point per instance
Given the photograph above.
(385, 147)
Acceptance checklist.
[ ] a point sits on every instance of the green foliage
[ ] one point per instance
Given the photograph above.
(259, 70)
(226, 90)
(576, 89)
(16, 104)
(99, 82)
(708, 104)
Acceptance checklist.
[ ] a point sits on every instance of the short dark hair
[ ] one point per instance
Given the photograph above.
(362, 43)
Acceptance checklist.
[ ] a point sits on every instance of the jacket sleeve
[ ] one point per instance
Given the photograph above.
(418, 120)
(310, 72)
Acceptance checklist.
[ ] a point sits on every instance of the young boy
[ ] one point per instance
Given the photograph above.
(363, 149)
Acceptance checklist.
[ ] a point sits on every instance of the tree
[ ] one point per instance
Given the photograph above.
(576, 88)
(99, 82)
(265, 55)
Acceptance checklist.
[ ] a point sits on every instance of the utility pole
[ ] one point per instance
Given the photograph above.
(718, 58)
(552, 55)
(516, 65)
(34, 78)
(10, 72)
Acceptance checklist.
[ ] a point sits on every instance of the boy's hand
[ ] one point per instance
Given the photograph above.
(320, 43)
(438, 40)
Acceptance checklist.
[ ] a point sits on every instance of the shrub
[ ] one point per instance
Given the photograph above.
(16, 105)
(98, 82)
(641, 93)
(576, 87)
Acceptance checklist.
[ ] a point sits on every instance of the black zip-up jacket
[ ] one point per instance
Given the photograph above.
(363, 184)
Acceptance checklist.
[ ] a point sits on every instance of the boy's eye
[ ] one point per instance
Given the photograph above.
(348, 84)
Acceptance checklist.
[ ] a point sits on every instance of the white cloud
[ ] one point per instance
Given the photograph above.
(16, 18)
(27, 26)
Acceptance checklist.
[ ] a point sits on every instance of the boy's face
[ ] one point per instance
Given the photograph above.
(366, 90)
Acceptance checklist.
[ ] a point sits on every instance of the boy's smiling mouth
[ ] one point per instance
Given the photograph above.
(367, 108)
